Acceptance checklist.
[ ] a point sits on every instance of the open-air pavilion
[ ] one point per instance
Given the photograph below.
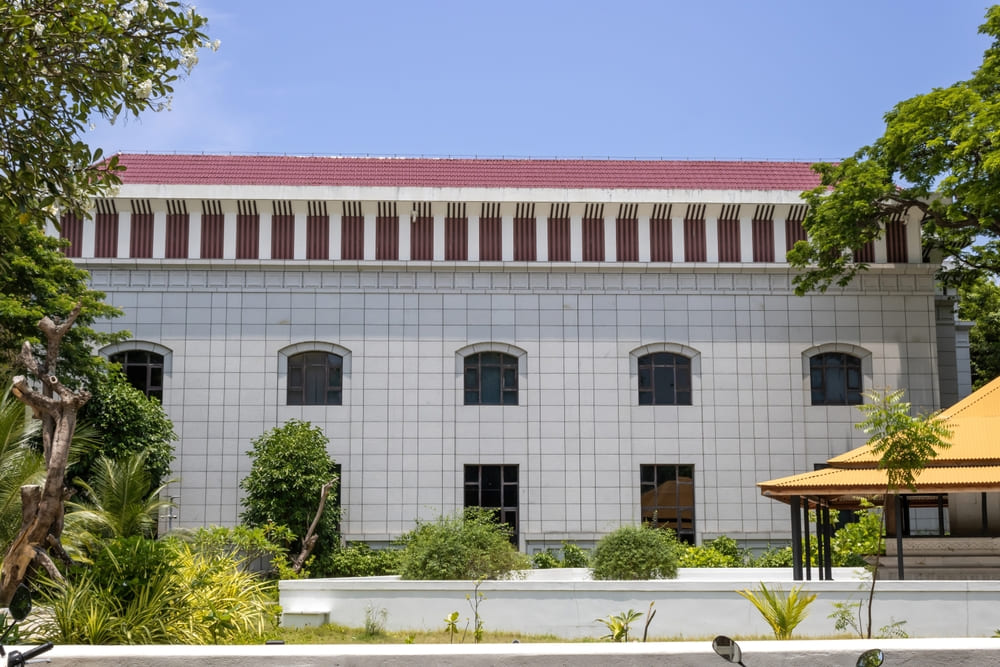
(948, 528)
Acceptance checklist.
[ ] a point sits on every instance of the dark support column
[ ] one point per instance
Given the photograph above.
(827, 534)
(820, 557)
(899, 537)
(940, 508)
(986, 516)
(796, 539)
(808, 550)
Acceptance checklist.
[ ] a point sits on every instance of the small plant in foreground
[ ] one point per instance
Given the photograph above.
(782, 611)
(619, 625)
(375, 618)
(474, 601)
(451, 626)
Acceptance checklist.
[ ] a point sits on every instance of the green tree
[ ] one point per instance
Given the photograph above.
(290, 467)
(66, 63)
(19, 463)
(637, 552)
(129, 423)
(980, 303)
(38, 280)
(905, 444)
(938, 157)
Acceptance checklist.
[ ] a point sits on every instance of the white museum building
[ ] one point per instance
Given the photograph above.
(579, 343)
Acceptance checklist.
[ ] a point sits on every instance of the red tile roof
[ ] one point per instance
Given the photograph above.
(466, 172)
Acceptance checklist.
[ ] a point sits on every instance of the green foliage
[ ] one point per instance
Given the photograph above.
(979, 302)
(938, 157)
(360, 560)
(474, 600)
(290, 466)
(246, 545)
(65, 63)
(723, 551)
(451, 626)
(637, 552)
(774, 557)
(904, 444)
(470, 545)
(573, 555)
(858, 539)
(141, 591)
(782, 611)
(619, 625)
(19, 464)
(847, 616)
(129, 423)
(544, 560)
(375, 618)
(36, 280)
(117, 503)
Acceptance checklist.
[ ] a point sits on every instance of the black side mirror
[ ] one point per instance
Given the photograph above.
(727, 649)
(871, 658)
(20, 603)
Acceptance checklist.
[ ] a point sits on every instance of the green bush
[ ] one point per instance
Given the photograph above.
(703, 556)
(573, 555)
(358, 560)
(634, 552)
(290, 467)
(544, 560)
(472, 545)
(124, 566)
(774, 557)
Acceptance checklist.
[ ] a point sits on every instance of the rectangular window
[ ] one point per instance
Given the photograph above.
(729, 240)
(283, 236)
(422, 236)
(593, 239)
(141, 237)
(71, 229)
(317, 231)
(559, 240)
(456, 234)
(178, 232)
(494, 487)
(667, 498)
(352, 232)
(212, 229)
(866, 253)
(490, 234)
(106, 235)
(247, 231)
(661, 234)
(763, 240)
(895, 242)
(627, 240)
(694, 241)
(525, 249)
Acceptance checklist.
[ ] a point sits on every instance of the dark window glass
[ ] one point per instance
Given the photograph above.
(835, 379)
(667, 498)
(144, 371)
(490, 379)
(315, 378)
(664, 379)
(494, 486)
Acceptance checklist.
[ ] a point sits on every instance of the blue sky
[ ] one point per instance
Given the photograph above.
(764, 79)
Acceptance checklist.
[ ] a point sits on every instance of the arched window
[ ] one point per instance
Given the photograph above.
(144, 370)
(490, 379)
(664, 379)
(835, 379)
(315, 378)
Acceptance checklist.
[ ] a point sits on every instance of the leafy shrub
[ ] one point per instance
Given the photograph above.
(544, 560)
(124, 565)
(782, 611)
(290, 467)
(858, 539)
(247, 546)
(574, 555)
(472, 545)
(729, 548)
(774, 557)
(634, 552)
(703, 556)
(358, 560)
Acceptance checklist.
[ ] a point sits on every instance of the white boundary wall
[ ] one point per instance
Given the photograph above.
(698, 604)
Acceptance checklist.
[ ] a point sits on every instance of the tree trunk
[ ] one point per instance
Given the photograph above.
(42, 508)
(309, 541)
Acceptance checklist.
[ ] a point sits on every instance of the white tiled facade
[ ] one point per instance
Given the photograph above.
(403, 434)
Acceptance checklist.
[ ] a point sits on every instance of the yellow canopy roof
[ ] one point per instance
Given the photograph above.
(970, 464)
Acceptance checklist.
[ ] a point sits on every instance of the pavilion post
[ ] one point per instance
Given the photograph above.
(899, 537)
(796, 539)
(808, 550)
(827, 551)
